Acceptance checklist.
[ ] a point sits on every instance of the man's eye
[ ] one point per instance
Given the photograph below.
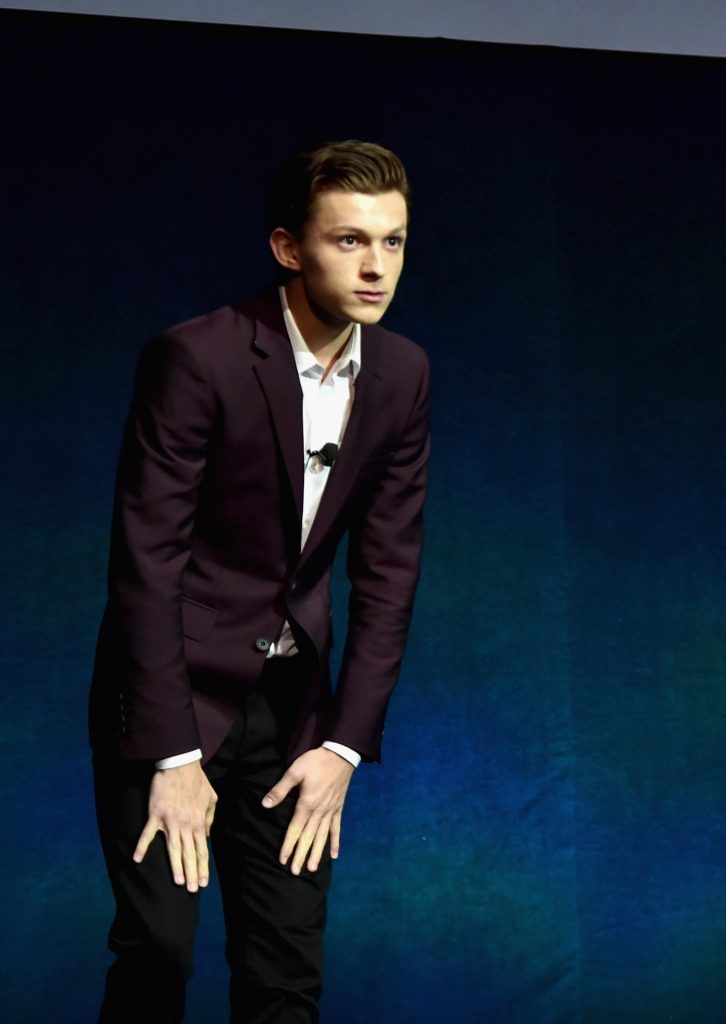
(394, 242)
(348, 241)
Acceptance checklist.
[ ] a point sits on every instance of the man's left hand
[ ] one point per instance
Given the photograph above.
(323, 777)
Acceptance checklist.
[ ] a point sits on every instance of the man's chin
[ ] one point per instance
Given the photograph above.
(369, 313)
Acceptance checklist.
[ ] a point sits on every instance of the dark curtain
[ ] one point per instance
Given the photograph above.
(545, 839)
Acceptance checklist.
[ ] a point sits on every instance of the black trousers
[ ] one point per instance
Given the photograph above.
(274, 919)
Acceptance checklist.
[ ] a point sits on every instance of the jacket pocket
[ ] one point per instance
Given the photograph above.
(198, 619)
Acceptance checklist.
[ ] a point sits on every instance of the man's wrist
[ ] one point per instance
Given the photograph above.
(345, 752)
(177, 760)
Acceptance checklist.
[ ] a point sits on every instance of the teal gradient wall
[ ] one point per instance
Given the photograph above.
(545, 841)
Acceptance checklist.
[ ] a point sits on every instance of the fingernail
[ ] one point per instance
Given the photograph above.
(268, 801)
(203, 881)
(296, 870)
(179, 879)
(193, 887)
(284, 860)
(312, 867)
(137, 858)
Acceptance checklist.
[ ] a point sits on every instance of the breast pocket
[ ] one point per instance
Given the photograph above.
(198, 619)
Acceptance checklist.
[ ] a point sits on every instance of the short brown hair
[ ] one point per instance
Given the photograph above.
(352, 166)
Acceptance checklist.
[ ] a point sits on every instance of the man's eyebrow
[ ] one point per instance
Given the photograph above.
(400, 230)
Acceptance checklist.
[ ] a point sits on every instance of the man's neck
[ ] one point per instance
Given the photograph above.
(326, 341)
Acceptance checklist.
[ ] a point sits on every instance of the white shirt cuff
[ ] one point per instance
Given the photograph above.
(179, 759)
(346, 752)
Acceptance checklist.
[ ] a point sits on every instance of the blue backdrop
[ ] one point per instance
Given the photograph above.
(545, 839)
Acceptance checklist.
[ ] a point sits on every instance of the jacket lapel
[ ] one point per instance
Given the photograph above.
(278, 377)
(366, 407)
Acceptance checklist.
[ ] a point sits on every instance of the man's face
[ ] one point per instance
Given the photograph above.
(350, 255)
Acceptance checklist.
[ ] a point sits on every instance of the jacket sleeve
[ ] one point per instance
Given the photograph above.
(384, 553)
(159, 472)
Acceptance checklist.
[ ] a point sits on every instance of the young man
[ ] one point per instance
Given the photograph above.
(258, 436)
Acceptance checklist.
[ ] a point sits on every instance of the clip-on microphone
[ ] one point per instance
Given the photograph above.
(327, 454)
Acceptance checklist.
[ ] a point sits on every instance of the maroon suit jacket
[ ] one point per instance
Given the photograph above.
(205, 561)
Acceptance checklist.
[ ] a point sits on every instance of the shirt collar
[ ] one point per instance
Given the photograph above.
(348, 361)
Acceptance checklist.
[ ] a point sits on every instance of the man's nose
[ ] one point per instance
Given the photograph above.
(373, 262)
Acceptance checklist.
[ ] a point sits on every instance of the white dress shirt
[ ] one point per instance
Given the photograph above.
(327, 401)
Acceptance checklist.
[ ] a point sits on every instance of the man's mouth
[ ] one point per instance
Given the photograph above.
(371, 296)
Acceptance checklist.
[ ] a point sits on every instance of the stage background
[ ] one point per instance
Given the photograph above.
(545, 839)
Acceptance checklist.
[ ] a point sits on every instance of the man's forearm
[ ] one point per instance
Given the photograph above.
(159, 473)
(383, 567)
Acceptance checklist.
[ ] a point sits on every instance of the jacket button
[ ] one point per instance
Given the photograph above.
(262, 643)
(293, 585)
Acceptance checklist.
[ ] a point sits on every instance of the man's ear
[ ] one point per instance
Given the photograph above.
(284, 248)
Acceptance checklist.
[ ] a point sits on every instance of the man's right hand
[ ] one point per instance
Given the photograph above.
(181, 805)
